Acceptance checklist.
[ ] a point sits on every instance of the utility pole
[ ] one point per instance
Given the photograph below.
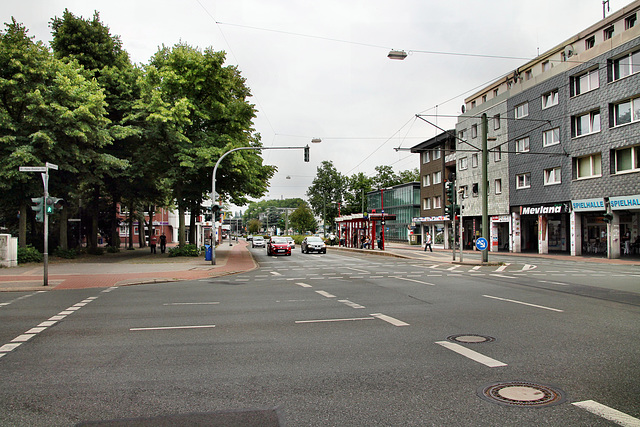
(485, 202)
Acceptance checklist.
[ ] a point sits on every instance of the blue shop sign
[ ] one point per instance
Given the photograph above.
(624, 202)
(587, 205)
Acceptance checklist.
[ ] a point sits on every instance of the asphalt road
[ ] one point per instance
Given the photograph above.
(334, 340)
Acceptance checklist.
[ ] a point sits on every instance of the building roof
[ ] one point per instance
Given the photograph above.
(449, 135)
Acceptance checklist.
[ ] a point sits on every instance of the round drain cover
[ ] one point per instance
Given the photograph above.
(470, 338)
(521, 393)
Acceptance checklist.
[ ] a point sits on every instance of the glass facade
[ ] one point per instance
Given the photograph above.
(403, 201)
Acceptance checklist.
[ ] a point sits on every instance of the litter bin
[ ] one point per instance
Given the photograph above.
(207, 252)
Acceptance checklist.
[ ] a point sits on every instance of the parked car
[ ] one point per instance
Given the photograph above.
(278, 246)
(249, 237)
(313, 244)
(292, 243)
(257, 241)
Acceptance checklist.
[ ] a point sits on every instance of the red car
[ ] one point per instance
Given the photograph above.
(278, 246)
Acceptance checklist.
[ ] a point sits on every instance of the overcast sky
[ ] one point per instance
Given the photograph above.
(320, 69)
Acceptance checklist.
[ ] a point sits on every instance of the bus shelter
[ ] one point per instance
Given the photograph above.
(359, 230)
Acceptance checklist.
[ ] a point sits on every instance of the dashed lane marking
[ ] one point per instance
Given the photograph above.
(334, 320)
(389, 319)
(553, 283)
(608, 413)
(164, 328)
(304, 285)
(503, 267)
(412, 280)
(351, 303)
(473, 355)
(325, 294)
(524, 303)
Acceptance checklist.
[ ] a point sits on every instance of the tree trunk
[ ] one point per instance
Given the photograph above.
(64, 215)
(150, 224)
(142, 241)
(94, 209)
(22, 227)
(115, 229)
(192, 225)
(181, 228)
(130, 218)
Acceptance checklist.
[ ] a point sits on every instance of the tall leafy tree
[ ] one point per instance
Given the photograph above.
(196, 110)
(49, 112)
(90, 43)
(326, 191)
(355, 200)
(302, 219)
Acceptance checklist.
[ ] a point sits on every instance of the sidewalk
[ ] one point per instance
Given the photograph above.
(126, 268)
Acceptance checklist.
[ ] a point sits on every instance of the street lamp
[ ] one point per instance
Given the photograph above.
(399, 55)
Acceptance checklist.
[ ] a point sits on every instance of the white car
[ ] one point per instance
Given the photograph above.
(292, 243)
(258, 241)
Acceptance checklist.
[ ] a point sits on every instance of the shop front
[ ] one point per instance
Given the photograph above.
(500, 232)
(625, 222)
(588, 227)
(439, 227)
(542, 228)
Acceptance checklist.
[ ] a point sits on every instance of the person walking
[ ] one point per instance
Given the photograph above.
(163, 243)
(427, 242)
(153, 241)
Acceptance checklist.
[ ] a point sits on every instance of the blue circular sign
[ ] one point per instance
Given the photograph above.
(481, 243)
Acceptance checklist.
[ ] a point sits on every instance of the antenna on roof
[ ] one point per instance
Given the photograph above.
(605, 2)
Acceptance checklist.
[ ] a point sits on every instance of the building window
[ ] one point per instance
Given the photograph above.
(585, 124)
(484, 98)
(523, 180)
(426, 157)
(607, 33)
(474, 160)
(522, 110)
(585, 82)
(437, 202)
(625, 112)
(496, 122)
(552, 176)
(589, 166)
(528, 75)
(630, 21)
(522, 145)
(426, 180)
(462, 163)
(465, 191)
(590, 42)
(627, 159)
(462, 135)
(474, 189)
(546, 66)
(474, 131)
(497, 154)
(551, 137)
(437, 177)
(426, 204)
(624, 66)
(550, 99)
(498, 186)
(495, 92)
(437, 153)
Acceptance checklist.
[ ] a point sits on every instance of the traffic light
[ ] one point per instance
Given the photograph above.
(306, 153)
(38, 208)
(608, 217)
(52, 204)
(448, 211)
(215, 210)
(450, 193)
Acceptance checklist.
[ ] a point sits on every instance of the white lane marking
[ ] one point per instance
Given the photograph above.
(351, 303)
(524, 303)
(9, 347)
(389, 319)
(473, 355)
(453, 268)
(57, 317)
(503, 267)
(334, 320)
(112, 288)
(375, 277)
(66, 312)
(527, 267)
(325, 294)
(553, 283)
(477, 267)
(275, 273)
(23, 338)
(47, 323)
(164, 328)
(304, 285)
(503, 276)
(412, 280)
(608, 413)
(191, 303)
(36, 330)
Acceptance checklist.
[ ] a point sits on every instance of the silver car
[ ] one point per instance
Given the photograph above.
(258, 241)
(313, 244)
(292, 243)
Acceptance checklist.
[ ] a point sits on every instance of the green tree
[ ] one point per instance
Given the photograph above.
(355, 199)
(49, 112)
(409, 175)
(254, 226)
(326, 191)
(302, 219)
(196, 110)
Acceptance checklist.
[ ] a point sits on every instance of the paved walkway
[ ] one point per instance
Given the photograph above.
(139, 266)
(126, 268)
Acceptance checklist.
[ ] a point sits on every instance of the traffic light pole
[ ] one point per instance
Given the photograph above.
(213, 182)
(485, 202)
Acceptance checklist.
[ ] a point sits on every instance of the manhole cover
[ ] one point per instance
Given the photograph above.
(470, 338)
(521, 393)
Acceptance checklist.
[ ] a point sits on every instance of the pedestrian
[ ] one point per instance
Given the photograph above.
(427, 242)
(153, 240)
(163, 243)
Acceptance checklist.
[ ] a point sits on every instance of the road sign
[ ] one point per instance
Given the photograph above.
(481, 243)
(32, 169)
